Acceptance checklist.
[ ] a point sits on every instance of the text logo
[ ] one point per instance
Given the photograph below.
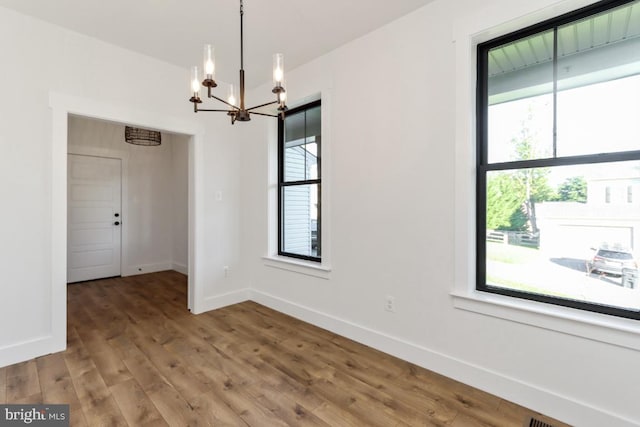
(34, 415)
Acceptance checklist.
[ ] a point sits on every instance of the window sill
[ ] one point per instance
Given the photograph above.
(307, 268)
(594, 326)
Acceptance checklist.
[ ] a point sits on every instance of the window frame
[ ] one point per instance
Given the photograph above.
(282, 184)
(483, 167)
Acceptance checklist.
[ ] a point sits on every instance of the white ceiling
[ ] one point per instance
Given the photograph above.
(175, 31)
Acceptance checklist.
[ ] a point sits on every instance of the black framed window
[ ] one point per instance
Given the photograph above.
(300, 183)
(558, 148)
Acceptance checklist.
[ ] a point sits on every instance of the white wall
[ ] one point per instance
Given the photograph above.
(155, 193)
(180, 198)
(43, 62)
(401, 198)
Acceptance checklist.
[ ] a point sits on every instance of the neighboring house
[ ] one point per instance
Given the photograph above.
(620, 191)
(300, 208)
(610, 215)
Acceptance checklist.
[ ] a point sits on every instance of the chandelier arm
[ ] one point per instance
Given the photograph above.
(263, 114)
(225, 102)
(263, 105)
(217, 111)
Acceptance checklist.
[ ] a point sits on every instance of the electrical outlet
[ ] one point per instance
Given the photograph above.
(226, 270)
(390, 304)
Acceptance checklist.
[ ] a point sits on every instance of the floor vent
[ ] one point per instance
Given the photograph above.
(533, 422)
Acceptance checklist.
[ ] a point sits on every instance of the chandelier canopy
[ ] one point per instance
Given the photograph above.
(237, 111)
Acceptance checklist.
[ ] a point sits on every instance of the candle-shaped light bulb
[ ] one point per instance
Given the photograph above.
(195, 82)
(209, 62)
(231, 97)
(278, 69)
(282, 94)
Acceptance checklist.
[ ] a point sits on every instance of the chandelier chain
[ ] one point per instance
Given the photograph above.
(241, 35)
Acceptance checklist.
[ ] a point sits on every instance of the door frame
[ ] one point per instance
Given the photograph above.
(63, 105)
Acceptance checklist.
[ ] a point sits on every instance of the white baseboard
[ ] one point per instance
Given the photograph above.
(31, 349)
(180, 268)
(219, 301)
(133, 270)
(544, 401)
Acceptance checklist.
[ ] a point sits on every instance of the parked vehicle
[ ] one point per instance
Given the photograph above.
(612, 260)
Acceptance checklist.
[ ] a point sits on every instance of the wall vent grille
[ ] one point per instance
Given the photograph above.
(534, 422)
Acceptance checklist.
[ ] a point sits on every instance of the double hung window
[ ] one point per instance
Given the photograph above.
(299, 183)
(558, 161)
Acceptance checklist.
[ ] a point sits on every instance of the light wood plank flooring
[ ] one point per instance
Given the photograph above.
(137, 357)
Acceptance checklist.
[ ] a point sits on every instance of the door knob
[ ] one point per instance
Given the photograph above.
(117, 215)
(116, 223)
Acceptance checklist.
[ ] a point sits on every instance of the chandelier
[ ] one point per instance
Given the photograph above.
(237, 111)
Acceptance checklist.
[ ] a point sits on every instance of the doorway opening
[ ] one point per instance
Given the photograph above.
(65, 106)
(127, 205)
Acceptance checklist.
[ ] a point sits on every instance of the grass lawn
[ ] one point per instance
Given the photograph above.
(517, 255)
(511, 254)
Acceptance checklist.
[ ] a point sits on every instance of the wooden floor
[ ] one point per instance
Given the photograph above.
(136, 356)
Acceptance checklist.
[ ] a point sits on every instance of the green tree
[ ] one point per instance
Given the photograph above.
(503, 200)
(519, 219)
(532, 183)
(512, 196)
(573, 189)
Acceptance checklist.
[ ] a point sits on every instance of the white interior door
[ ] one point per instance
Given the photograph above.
(93, 217)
